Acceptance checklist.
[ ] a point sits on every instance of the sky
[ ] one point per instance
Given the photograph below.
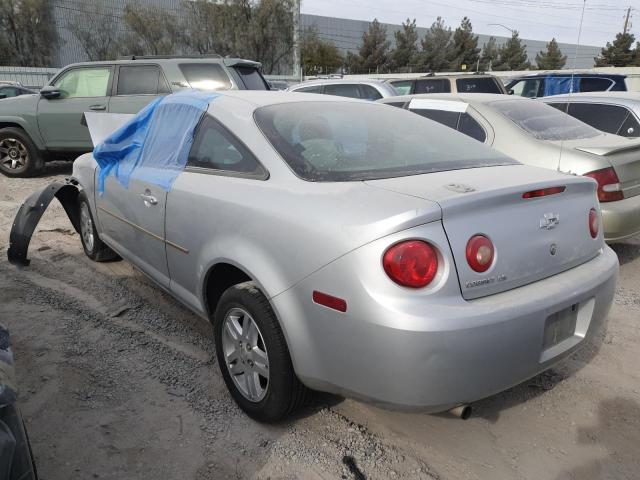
(536, 20)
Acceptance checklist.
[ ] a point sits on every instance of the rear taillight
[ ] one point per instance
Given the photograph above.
(609, 189)
(480, 253)
(594, 223)
(412, 263)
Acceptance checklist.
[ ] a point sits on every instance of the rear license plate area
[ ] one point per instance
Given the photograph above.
(559, 326)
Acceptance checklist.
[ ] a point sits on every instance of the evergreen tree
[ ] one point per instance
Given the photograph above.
(374, 50)
(490, 53)
(513, 55)
(436, 47)
(465, 49)
(552, 59)
(406, 45)
(319, 56)
(618, 53)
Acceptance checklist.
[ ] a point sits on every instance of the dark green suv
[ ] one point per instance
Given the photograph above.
(49, 125)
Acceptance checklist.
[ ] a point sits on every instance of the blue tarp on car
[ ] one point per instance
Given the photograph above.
(154, 145)
(554, 85)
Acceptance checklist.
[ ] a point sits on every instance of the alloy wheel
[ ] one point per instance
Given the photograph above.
(86, 226)
(13, 154)
(245, 354)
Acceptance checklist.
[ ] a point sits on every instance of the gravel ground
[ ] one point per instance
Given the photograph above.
(119, 381)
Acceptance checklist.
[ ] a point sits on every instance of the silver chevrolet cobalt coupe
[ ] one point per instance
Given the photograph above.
(345, 246)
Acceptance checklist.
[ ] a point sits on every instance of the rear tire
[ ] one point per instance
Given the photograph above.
(257, 355)
(19, 157)
(93, 247)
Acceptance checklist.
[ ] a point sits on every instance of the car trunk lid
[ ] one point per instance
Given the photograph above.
(533, 238)
(622, 153)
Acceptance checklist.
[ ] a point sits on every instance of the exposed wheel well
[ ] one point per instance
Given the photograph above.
(220, 277)
(8, 124)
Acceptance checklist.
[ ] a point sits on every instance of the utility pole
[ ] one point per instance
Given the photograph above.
(626, 21)
(297, 70)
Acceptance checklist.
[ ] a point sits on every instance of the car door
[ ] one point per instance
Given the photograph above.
(202, 208)
(82, 89)
(135, 86)
(132, 221)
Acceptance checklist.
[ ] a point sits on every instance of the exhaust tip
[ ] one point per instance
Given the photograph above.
(461, 411)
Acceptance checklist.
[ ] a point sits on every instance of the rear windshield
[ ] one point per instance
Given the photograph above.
(478, 85)
(343, 141)
(543, 121)
(205, 76)
(252, 78)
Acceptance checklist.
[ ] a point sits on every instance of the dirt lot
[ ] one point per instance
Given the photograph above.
(118, 381)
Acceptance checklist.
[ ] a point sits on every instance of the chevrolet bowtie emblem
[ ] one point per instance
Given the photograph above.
(549, 220)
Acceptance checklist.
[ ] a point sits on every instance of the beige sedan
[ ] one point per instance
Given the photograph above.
(537, 134)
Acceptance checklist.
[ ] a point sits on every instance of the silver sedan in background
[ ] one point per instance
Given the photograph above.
(362, 89)
(536, 134)
(407, 266)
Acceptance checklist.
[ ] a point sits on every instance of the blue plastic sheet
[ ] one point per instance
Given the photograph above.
(560, 85)
(154, 145)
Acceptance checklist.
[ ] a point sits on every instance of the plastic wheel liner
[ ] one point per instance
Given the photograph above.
(31, 211)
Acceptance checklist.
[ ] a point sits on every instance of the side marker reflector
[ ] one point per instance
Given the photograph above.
(329, 301)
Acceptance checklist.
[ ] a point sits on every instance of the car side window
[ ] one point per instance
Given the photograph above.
(433, 85)
(310, 89)
(396, 104)
(527, 88)
(84, 82)
(403, 87)
(369, 93)
(216, 148)
(607, 118)
(342, 90)
(141, 80)
(468, 125)
(630, 128)
(594, 84)
(449, 119)
(9, 92)
(205, 76)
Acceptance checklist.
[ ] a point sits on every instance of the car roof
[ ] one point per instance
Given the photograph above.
(328, 81)
(568, 74)
(437, 76)
(605, 97)
(261, 98)
(162, 59)
(477, 98)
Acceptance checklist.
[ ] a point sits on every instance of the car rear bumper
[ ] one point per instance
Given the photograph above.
(621, 219)
(444, 354)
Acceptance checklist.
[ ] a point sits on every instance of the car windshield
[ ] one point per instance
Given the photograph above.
(543, 121)
(344, 141)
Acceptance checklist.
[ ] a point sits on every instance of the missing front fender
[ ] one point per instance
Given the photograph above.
(32, 210)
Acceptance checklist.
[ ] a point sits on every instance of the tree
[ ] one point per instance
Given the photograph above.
(489, 56)
(406, 49)
(269, 33)
(28, 32)
(374, 50)
(154, 31)
(464, 50)
(552, 59)
(618, 53)
(513, 55)
(436, 47)
(318, 56)
(97, 32)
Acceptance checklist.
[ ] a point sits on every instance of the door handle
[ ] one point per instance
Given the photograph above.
(97, 107)
(149, 199)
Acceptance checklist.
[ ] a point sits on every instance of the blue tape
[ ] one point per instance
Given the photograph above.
(560, 85)
(154, 145)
